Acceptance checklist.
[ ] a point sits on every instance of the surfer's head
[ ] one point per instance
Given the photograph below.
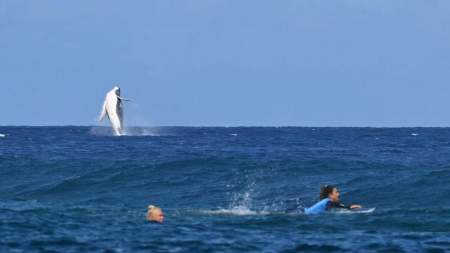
(329, 191)
(155, 214)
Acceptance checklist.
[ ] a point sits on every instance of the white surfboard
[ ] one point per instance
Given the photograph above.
(359, 210)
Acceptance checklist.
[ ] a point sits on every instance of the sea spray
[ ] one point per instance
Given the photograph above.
(141, 131)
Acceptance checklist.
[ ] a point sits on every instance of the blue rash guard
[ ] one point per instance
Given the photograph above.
(324, 205)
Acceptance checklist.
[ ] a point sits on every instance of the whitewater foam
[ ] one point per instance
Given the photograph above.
(141, 131)
(239, 211)
(129, 131)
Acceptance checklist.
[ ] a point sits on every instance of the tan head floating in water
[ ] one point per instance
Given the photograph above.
(155, 214)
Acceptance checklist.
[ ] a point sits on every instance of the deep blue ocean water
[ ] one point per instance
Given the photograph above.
(72, 189)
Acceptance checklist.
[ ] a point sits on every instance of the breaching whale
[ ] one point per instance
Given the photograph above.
(112, 107)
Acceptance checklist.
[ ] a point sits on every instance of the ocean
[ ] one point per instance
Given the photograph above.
(223, 189)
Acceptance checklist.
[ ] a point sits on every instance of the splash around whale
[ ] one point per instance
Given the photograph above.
(128, 131)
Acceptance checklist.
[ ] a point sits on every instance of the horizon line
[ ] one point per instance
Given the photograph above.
(229, 126)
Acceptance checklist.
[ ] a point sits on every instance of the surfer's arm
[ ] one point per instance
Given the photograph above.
(332, 204)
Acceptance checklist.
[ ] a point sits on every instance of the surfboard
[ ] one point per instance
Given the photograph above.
(360, 210)
(364, 210)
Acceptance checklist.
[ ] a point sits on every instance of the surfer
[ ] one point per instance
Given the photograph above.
(328, 199)
(155, 214)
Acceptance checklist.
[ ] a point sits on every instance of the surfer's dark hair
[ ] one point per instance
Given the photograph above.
(325, 191)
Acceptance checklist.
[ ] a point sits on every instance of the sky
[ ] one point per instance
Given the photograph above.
(227, 63)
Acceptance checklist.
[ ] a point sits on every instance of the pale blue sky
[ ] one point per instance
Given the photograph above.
(227, 63)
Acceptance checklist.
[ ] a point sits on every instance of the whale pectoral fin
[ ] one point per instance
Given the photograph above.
(103, 113)
(124, 99)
